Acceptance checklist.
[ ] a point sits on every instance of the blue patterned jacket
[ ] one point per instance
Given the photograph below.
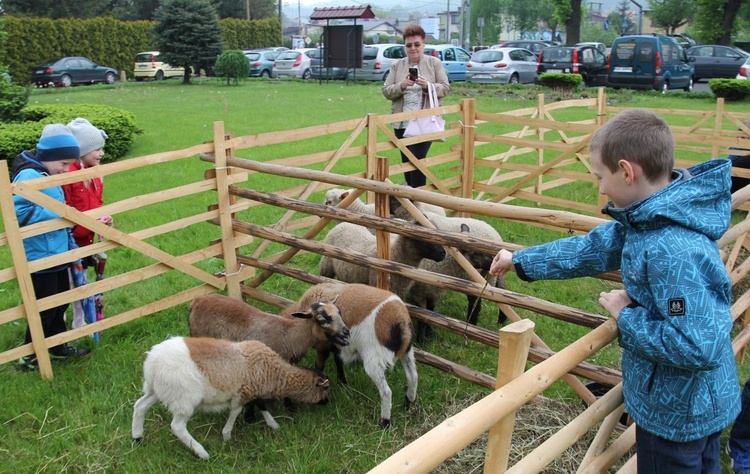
(679, 375)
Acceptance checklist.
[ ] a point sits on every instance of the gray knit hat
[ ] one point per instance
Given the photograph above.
(89, 137)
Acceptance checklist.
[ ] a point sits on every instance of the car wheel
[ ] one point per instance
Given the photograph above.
(307, 74)
(665, 87)
(109, 78)
(513, 79)
(265, 73)
(159, 75)
(66, 81)
(689, 87)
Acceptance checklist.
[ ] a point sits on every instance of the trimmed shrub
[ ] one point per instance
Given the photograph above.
(560, 81)
(119, 125)
(730, 89)
(13, 99)
(232, 64)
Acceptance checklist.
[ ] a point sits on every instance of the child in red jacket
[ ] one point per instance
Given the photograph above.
(88, 194)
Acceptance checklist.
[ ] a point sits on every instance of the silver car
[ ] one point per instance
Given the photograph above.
(502, 66)
(376, 62)
(293, 63)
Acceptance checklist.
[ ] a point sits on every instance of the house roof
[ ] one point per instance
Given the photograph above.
(331, 13)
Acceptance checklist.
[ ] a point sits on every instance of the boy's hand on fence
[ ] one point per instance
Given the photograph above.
(614, 301)
(502, 263)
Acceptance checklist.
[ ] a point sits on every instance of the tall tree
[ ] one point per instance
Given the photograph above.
(671, 14)
(569, 13)
(620, 20)
(716, 19)
(187, 34)
(52, 8)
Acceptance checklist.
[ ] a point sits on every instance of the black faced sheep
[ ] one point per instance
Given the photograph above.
(357, 238)
(381, 333)
(427, 296)
(317, 325)
(187, 374)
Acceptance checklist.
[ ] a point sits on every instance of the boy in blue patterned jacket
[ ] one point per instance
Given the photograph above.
(679, 375)
(56, 150)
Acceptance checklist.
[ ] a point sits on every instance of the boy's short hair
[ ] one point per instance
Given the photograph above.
(638, 136)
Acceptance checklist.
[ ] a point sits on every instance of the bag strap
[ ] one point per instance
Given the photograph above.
(432, 92)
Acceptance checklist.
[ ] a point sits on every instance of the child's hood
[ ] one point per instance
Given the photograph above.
(26, 160)
(698, 198)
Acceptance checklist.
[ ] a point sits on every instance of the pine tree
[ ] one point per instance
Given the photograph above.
(187, 34)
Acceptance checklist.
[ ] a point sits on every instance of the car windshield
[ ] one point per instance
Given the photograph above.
(288, 55)
(560, 55)
(370, 53)
(143, 58)
(487, 56)
(253, 56)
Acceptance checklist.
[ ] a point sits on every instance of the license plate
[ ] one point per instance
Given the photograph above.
(623, 69)
(482, 76)
(38, 72)
(142, 66)
(558, 71)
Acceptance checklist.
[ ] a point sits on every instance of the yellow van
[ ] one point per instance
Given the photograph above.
(148, 66)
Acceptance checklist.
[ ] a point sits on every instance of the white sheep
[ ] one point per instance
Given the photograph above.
(335, 196)
(427, 296)
(357, 238)
(187, 374)
(381, 333)
(222, 317)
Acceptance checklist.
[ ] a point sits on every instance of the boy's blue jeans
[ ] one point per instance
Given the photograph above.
(739, 437)
(658, 455)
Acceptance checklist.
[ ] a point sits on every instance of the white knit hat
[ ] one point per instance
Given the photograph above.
(89, 137)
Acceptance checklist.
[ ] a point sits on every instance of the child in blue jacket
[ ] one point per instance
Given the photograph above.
(56, 150)
(679, 375)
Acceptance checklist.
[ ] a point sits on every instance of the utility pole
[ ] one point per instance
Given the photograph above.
(448, 23)
(247, 8)
(281, 24)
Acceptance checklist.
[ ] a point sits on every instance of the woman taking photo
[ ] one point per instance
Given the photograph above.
(407, 91)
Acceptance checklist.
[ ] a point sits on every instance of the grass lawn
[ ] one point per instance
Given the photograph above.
(80, 422)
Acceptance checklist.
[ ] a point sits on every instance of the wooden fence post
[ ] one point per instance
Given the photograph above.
(513, 351)
(21, 265)
(540, 151)
(231, 266)
(601, 119)
(719, 119)
(382, 209)
(468, 129)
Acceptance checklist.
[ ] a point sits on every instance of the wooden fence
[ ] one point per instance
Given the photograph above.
(491, 165)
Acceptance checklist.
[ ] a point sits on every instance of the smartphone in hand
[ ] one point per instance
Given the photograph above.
(413, 73)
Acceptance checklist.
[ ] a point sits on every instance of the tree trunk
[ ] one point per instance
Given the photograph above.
(727, 20)
(186, 75)
(573, 26)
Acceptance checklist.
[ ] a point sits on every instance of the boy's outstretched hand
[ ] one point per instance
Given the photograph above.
(613, 301)
(502, 263)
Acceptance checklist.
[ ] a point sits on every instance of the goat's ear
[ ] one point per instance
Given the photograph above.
(464, 228)
(344, 194)
(303, 315)
(322, 382)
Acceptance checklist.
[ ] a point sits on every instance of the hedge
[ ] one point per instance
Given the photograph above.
(118, 123)
(109, 42)
(560, 81)
(730, 89)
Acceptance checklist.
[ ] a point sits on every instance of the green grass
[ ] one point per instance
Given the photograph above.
(80, 422)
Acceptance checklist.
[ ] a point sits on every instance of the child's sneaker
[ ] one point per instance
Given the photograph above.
(28, 363)
(739, 460)
(66, 351)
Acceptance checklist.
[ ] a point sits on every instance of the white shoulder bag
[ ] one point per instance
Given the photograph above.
(424, 125)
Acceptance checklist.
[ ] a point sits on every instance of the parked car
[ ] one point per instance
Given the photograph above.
(713, 60)
(71, 70)
(319, 70)
(535, 46)
(501, 66)
(455, 59)
(149, 66)
(649, 62)
(744, 69)
(376, 62)
(261, 62)
(588, 61)
(293, 63)
(600, 46)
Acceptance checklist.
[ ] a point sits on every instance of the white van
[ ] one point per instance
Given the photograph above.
(148, 66)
